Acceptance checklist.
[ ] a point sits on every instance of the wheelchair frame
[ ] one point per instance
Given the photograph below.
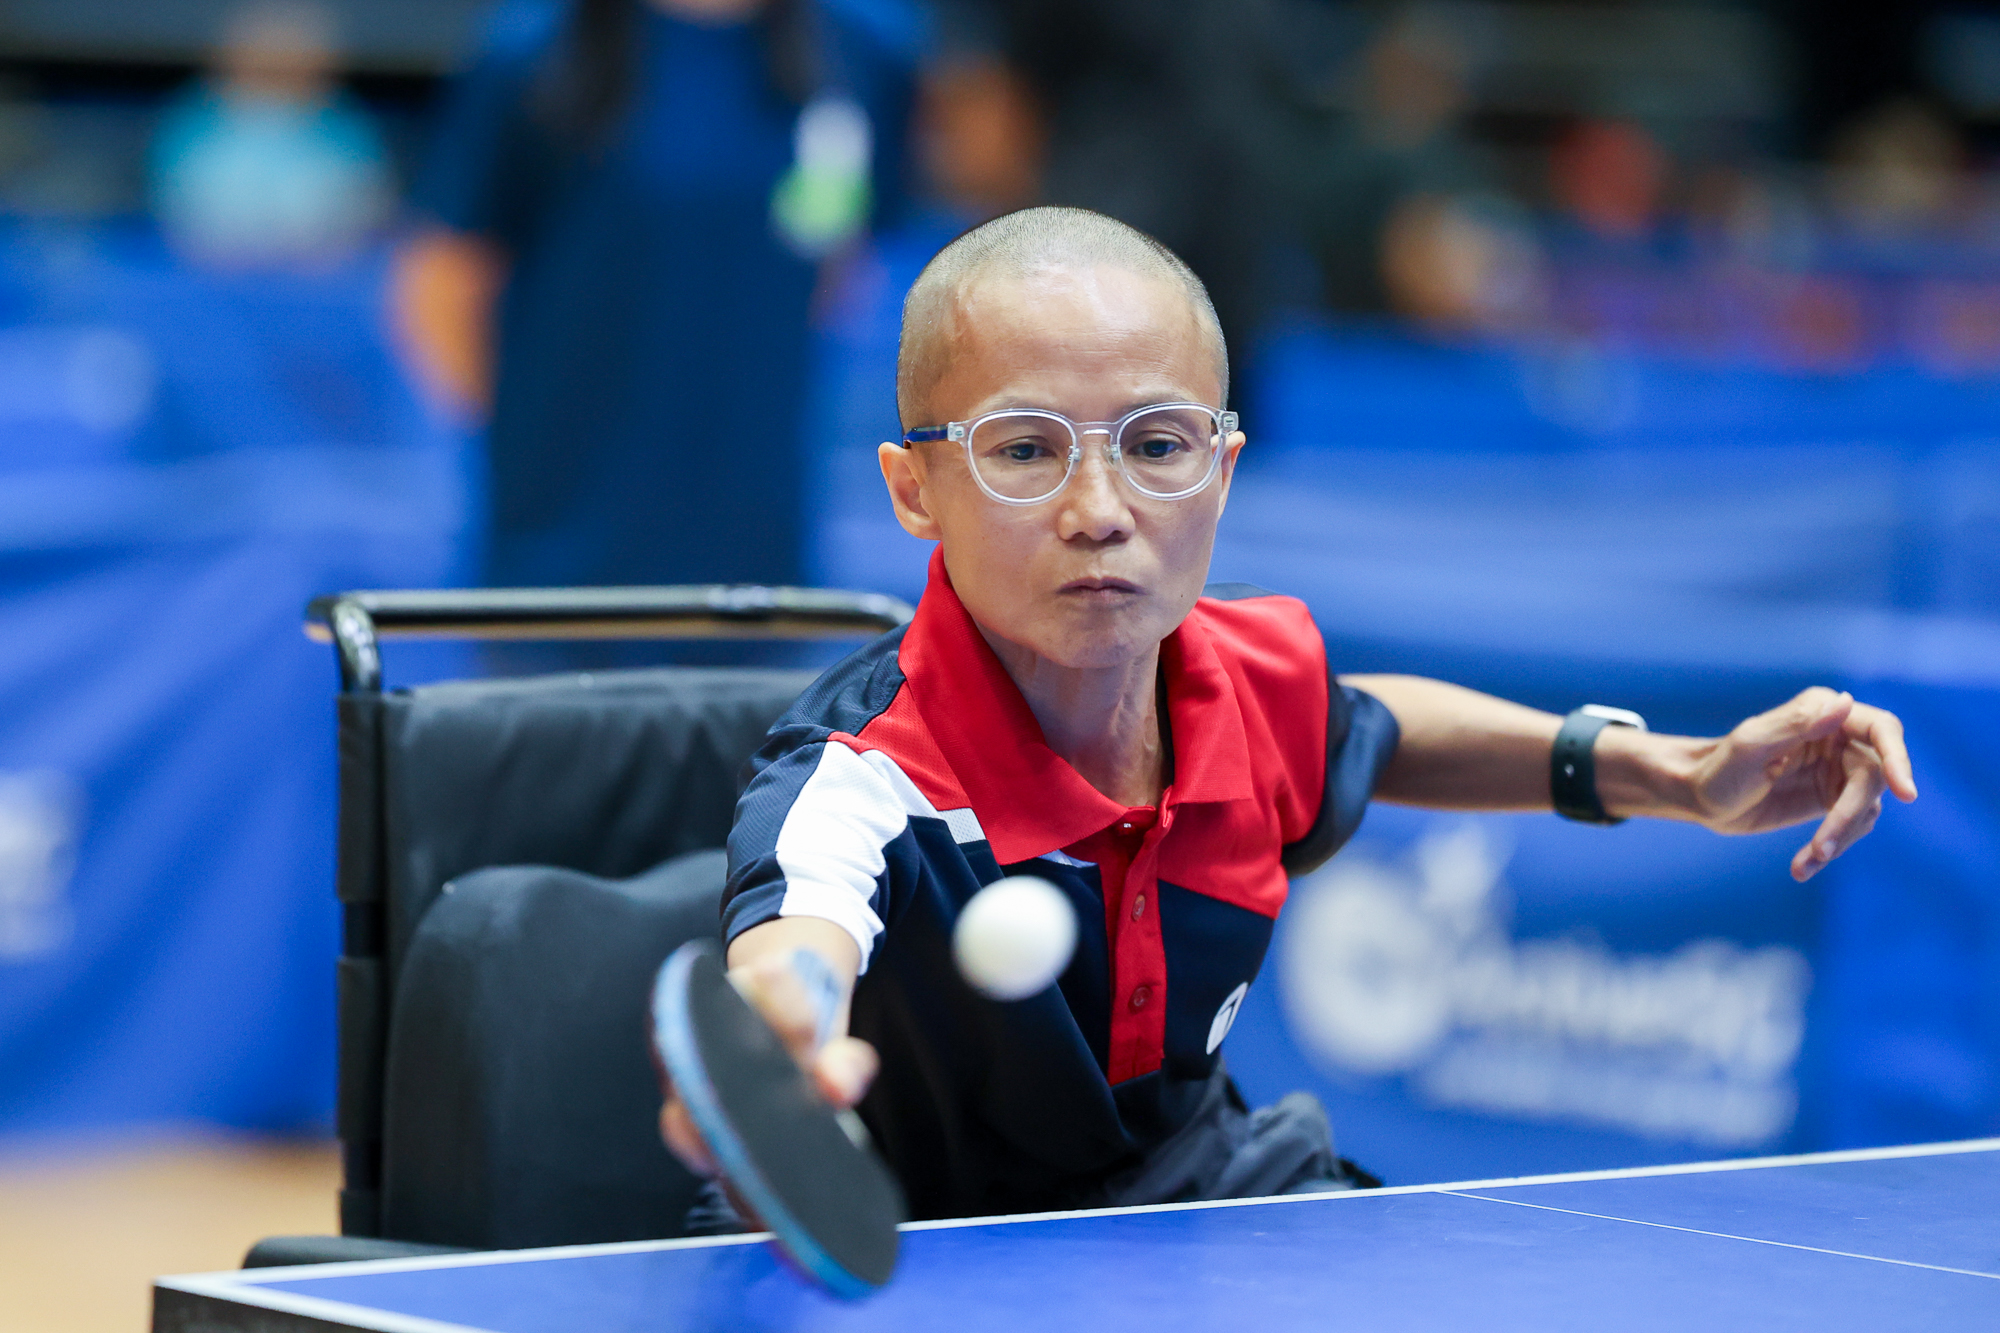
(355, 623)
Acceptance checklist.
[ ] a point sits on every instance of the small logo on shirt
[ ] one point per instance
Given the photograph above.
(1225, 1017)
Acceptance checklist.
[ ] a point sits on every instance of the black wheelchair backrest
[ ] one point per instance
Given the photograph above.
(584, 780)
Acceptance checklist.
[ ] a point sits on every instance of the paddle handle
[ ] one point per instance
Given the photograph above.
(822, 988)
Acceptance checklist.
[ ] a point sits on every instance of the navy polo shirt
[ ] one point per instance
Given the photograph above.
(914, 773)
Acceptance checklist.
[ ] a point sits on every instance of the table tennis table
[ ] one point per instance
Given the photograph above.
(1893, 1238)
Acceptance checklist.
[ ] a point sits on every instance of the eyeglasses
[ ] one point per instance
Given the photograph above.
(1023, 456)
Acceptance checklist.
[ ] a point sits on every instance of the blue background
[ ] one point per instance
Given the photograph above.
(154, 565)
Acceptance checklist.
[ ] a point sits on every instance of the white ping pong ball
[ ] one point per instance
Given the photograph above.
(1014, 938)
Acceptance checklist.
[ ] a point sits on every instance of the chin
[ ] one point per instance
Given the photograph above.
(1105, 637)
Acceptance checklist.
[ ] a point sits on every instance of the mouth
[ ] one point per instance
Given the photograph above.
(1097, 589)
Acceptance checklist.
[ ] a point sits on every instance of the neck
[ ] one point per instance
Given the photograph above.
(1103, 721)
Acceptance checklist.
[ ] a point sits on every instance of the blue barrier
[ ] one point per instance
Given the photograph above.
(186, 459)
(1910, 962)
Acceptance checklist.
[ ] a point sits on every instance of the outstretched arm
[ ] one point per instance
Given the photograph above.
(1820, 756)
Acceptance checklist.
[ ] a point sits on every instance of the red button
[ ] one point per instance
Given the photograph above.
(1139, 997)
(1139, 907)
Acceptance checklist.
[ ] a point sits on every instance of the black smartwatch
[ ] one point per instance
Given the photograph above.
(1573, 770)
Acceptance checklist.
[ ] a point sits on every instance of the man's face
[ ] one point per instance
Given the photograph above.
(1098, 575)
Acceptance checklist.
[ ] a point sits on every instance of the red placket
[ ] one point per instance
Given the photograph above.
(1127, 856)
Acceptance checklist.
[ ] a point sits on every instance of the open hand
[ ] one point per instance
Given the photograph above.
(1821, 756)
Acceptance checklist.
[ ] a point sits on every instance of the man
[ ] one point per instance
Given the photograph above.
(1069, 703)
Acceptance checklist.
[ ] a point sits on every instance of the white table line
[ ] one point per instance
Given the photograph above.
(1724, 1235)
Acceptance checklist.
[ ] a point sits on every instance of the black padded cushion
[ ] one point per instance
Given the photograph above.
(606, 773)
(289, 1251)
(521, 1106)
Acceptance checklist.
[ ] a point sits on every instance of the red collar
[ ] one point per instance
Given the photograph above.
(1028, 799)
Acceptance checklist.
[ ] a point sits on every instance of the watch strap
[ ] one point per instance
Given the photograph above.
(1573, 769)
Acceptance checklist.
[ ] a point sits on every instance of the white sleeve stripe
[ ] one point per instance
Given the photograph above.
(964, 826)
(830, 847)
(837, 905)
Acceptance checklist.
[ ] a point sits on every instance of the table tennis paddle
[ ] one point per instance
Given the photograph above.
(806, 1169)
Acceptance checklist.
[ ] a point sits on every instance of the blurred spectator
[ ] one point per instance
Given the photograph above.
(1609, 176)
(1898, 168)
(1752, 214)
(265, 161)
(980, 135)
(1469, 262)
(616, 256)
(1184, 118)
(1401, 209)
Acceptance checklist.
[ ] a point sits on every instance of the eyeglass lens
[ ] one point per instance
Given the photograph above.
(1163, 452)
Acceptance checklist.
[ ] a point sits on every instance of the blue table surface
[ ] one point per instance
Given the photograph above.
(1898, 1242)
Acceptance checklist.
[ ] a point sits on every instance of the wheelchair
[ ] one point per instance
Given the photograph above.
(515, 857)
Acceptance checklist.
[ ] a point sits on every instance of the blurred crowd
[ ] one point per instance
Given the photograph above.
(612, 227)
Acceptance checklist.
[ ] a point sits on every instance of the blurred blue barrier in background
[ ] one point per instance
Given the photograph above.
(1911, 942)
(1486, 996)
(183, 461)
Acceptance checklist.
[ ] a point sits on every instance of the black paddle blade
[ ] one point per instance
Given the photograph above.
(806, 1170)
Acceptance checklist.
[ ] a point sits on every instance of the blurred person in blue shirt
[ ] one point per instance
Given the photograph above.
(265, 161)
(620, 231)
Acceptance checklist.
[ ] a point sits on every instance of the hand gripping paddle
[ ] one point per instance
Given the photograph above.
(804, 1168)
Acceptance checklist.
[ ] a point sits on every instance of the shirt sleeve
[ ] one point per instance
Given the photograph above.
(813, 837)
(1361, 739)
(487, 151)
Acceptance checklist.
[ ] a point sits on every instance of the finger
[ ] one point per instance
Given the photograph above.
(775, 991)
(1809, 716)
(1883, 730)
(1852, 815)
(684, 1141)
(1860, 804)
(844, 1069)
(1860, 829)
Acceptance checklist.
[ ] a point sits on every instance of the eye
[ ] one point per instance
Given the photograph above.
(1024, 449)
(1155, 447)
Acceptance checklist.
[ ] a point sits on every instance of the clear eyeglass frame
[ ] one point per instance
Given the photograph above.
(962, 432)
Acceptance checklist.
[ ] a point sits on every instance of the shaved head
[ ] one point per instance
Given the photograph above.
(1019, 247)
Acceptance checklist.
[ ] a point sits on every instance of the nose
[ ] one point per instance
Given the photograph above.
(1093, 505)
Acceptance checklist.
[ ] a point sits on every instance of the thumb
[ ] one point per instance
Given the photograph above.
(843, 1070)
(775, 991)
(1812, 715)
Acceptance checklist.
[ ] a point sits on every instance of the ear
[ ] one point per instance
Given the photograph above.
(1229, 452)
(905, 472)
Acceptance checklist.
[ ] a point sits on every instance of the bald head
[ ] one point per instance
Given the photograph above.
(1020, 247)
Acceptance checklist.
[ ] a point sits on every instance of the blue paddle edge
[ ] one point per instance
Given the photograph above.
(671, 1036)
